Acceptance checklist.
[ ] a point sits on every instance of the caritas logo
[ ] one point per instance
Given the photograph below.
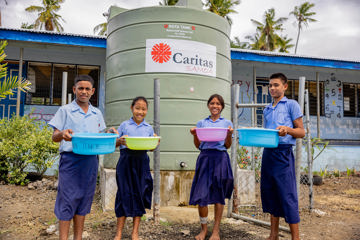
(161, 53)
(184, 56)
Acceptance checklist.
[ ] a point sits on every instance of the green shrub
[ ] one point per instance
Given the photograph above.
(25, 142)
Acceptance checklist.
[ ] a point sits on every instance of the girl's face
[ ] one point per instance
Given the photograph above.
(215, 106)
(139, 111)
(277, 88)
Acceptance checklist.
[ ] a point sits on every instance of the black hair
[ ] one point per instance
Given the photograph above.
(86, 78)
(219, 97)
(139, 98)
(281, 76)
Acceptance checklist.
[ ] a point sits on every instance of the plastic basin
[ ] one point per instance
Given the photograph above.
(211, 134)
(258, 137)
(94, 143)
(142, 143)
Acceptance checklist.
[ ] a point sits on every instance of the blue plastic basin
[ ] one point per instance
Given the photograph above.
(258, 137)
(94, 143)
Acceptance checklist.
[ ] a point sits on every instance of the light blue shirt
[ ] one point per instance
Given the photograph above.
(71, 116)
(130, 128)
(283, 114)
(220, 123)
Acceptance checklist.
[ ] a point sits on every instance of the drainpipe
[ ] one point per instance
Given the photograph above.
(156, 168)
(20, 80)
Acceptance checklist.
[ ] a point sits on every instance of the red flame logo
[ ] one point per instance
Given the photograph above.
(161, 52)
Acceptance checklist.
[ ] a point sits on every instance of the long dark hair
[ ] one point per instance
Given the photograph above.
(219, 97)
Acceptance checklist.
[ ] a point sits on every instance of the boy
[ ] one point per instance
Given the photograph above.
(77, 173)
(278, 181)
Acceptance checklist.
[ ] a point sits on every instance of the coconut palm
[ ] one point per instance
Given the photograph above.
(7, 85)
(236, 43)
(168, 2)
(47, 16)
(285, 44)
(222, 7)
(101, 29)
(303, 17)
(268, 37)
(27, 26)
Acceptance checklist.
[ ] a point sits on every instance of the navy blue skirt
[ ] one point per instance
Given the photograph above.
(77, 183)
(278, 183)
(135, 184)
(213, 180)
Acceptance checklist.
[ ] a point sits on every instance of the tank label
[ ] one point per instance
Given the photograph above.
(182, 56)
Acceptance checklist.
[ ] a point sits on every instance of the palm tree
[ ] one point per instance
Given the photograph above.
(9, 84)
(27, 26)
(268, 36)
(255, 42)
(101, 29)
(303, 17)
(168, 2)
(236, 43)
(222, 7)
(284, 44)
(47, 16)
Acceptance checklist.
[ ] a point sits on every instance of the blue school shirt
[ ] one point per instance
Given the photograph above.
(71, 116)
(283, 114)
(220, 123)
(130, 128)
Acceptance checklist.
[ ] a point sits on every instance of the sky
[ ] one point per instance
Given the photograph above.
(336, 34)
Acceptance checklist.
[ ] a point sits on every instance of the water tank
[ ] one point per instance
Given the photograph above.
(188, 49)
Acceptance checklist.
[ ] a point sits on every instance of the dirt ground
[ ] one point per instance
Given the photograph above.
(27, 214)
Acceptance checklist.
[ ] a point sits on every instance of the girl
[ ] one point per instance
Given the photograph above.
(133, 177)
(213, 180)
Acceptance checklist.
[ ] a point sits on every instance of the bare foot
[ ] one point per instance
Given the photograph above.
(215, 236)
(135, 236)
(201, 235)
(273, 238)
(117, 237)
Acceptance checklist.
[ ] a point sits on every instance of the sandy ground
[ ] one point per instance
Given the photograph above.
(27, 214)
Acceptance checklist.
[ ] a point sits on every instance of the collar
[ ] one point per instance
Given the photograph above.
(76, 107)
(284, 99)
(209, 118)
(142, 123)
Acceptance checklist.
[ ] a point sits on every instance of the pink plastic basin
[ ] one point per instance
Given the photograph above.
(211, 134)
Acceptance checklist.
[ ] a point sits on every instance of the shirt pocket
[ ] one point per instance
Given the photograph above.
(283, 118)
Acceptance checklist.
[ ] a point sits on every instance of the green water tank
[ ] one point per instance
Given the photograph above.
(188, 50)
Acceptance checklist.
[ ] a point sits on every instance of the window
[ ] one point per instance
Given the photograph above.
(350, 91)
(46, 82)
(39, 74)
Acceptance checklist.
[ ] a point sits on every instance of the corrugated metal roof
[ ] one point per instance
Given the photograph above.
(292, 59)
(52, 37)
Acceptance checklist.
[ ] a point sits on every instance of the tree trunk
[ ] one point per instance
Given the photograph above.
(297, 39)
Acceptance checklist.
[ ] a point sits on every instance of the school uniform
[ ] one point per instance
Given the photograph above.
(133, 177)
(213, 180)
(77, 173)
(278, 180)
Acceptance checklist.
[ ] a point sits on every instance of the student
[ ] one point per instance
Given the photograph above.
(77, 173)
(213, 180)
(278, 181)
(133, 177)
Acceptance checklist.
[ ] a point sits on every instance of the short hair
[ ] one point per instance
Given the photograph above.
(281, 76)
(86, 78)
(219, 97)
(138, 99)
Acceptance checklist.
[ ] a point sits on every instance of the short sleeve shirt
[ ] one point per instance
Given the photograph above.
(208, 122)
(283, 114)
(71, 116)
(132, 129)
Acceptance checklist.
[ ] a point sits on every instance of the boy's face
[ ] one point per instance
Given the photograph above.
(277, 88)
(83, 91)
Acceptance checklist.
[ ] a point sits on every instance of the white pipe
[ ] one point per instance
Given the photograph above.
(64, 88)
